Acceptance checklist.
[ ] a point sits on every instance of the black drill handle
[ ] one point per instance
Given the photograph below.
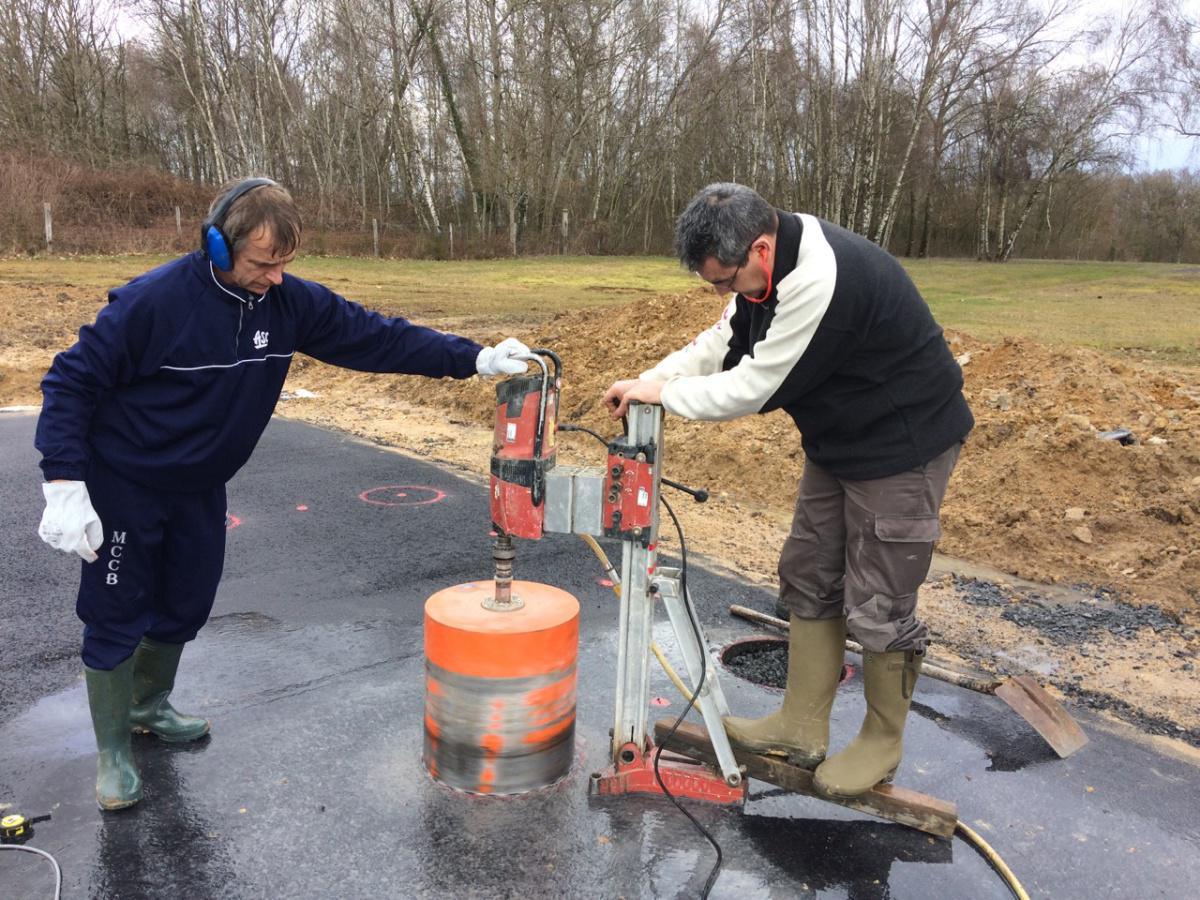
(699, 494)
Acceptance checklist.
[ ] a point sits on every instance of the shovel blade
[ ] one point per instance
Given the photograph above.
(1048, 717)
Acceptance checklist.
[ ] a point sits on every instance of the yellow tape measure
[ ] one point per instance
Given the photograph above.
(13, 826)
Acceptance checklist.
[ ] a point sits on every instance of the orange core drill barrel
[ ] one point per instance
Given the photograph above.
(500, 687)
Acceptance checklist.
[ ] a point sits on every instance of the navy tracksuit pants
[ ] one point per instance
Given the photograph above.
(158, 570)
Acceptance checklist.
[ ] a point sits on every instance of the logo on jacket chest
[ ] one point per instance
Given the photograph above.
(260, 339)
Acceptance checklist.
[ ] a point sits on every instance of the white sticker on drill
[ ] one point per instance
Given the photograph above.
(510, 432)
(643, 497)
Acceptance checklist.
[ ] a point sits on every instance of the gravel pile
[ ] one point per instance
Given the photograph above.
(1080, 622)
(1103, 611)
(980, 593)
(766, 663)
(1147, 722)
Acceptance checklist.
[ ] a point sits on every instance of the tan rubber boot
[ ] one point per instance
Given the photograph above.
(118, 782)
(154, 666)
(800, 729)
(872, 757)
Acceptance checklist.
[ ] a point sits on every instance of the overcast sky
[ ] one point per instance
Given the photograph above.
(1170, 151)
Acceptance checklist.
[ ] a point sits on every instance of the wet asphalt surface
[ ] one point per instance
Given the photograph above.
(311, 783)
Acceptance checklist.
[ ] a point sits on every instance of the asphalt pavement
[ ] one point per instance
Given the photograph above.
(311, 783)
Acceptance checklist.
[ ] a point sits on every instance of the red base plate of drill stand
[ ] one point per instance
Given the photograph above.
(684, 778)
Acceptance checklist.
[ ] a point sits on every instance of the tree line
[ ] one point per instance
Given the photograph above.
(990, 128)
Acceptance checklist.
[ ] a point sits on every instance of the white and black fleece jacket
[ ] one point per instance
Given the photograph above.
(844, 344)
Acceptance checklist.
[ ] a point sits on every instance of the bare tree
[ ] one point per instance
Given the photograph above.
(1178, 31)
(958, 123)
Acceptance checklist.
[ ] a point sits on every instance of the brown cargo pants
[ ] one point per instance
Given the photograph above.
(862, 549)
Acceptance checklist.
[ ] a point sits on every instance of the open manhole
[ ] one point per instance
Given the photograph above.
(762, 660)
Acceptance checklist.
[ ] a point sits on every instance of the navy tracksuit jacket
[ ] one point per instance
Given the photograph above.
(162, 400)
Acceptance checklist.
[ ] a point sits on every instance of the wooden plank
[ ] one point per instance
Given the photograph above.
(1044, 713)
(887, 801)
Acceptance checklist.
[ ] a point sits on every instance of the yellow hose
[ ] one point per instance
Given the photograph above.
(994, 860)
(616, 586)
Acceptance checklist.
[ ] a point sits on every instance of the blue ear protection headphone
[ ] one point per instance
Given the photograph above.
(213, 240)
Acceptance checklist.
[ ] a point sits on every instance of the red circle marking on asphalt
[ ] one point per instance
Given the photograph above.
(402, 495)
(231, 521)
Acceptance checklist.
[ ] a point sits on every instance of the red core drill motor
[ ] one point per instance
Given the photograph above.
(523, 449)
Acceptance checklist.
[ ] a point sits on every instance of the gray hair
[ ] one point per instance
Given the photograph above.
(722, 221)
(270, 207)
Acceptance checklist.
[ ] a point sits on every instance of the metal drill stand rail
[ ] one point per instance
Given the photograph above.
(642, 582)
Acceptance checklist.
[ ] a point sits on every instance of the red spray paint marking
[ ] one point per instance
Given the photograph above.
(660, 701)
(231, 522)
(604, 582)
(402, 495)
(302, 508)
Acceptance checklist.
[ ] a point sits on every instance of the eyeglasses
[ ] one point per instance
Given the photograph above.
(725, 285)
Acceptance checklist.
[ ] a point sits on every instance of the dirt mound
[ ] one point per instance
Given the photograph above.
(1039, 491)
(35, 323)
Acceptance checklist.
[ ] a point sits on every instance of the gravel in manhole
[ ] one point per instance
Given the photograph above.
(761, 660)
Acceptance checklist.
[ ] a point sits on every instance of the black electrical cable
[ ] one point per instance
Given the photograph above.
(567, 426)
(716, 869)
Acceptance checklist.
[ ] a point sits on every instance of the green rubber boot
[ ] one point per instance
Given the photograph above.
(800, 729)
(873, 756)
(154, 667)
(118, 782)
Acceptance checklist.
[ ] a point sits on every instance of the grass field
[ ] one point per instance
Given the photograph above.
(1142, 308)
(1145, 308)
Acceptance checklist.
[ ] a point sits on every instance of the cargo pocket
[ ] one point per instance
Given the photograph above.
(905, 548)
(908, 529)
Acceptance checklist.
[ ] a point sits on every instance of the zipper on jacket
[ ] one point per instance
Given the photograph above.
(243, 302)
(237, 338)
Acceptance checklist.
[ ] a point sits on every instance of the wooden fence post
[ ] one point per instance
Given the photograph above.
(49, 225)
(178, 223)
(375, 234)
(562, 247)
(452, 240)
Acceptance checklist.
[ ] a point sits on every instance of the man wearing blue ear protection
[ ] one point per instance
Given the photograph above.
(828, 327)
(154, 409)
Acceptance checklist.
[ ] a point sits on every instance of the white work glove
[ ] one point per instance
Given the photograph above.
(501, 359)
(70, 524)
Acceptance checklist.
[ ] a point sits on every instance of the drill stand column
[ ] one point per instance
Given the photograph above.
(631, 513)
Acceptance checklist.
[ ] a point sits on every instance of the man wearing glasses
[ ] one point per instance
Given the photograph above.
(828, 327)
